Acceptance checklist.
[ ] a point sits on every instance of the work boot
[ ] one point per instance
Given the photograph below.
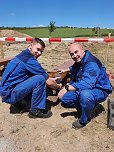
(39, 113)
(17, 107)
(78, 125)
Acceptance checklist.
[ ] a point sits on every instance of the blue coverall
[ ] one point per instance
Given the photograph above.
(92, 85)
(22, 77)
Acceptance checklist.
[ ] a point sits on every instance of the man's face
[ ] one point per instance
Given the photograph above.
(36, 50)
(76, 52)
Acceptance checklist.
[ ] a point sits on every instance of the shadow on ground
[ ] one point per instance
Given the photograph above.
(97, 110)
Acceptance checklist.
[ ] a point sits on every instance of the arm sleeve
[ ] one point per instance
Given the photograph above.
(70, 68)
(35, 68)
(89, 77)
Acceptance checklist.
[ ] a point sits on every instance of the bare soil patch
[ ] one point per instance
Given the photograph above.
(18, 133)
(11, 33)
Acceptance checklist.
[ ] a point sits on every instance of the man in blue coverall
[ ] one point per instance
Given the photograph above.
(24, 77)
(89, 84)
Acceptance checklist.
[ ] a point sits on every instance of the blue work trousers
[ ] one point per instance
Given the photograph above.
(34, 86)
(85, 101)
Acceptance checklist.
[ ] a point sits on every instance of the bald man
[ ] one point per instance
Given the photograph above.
(89, 84)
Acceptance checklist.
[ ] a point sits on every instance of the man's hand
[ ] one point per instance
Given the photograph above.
(51, 82)
(63, 70)
(61, 93)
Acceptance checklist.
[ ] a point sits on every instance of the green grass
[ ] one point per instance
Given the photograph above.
(63, 32)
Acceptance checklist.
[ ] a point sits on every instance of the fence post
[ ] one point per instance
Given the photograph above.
(1, 48)
(107, 51)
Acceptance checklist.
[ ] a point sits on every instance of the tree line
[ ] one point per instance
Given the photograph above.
(52, 27)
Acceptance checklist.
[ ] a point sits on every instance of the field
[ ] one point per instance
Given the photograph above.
(64, 32)
(18, 133)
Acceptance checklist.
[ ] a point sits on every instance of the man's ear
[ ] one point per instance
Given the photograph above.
(82, 50)
(30, 46)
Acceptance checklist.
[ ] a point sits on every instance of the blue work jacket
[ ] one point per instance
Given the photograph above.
(90, 73)
(19, 69)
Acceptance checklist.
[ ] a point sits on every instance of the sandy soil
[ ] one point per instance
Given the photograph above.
(19, 133)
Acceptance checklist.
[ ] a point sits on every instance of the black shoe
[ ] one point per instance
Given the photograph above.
(39, 113)
(17, 107)
(78, 125)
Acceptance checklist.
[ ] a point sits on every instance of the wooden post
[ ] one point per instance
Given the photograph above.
(107, 51)
(1, 48)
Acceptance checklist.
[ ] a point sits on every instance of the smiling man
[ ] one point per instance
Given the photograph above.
(89, 84)
(24, 77)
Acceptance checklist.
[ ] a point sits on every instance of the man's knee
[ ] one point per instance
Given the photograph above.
(64, 100)
(86, 96)
(40, 79)
(68, 98)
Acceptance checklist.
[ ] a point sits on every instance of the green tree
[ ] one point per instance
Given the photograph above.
(51, 27)
(96, 30)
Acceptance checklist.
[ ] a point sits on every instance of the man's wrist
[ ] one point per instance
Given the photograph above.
(67, 87)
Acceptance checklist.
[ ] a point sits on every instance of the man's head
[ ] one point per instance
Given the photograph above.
(76, 52)
(36, 47)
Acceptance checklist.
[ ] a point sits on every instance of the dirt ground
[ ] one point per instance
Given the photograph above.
(19, 133)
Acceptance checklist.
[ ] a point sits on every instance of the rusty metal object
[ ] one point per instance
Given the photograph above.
(3, 63)
(65, 75)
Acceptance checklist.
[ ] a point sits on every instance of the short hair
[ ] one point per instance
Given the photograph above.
(38, 40)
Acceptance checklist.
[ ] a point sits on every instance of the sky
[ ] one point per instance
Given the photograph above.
(75, 13)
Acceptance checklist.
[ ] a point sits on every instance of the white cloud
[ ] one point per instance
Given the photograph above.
(40, 25)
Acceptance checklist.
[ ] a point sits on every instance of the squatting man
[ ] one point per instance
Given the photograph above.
(24, 78)
(89, 84)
